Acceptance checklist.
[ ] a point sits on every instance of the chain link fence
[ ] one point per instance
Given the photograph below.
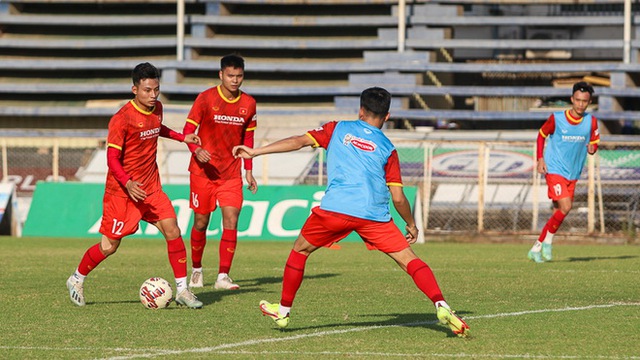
(488, 187)
(492, 187)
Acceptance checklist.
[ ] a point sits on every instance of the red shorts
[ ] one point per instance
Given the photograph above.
(121, 215)
(559, 187)
(205, 194)
(323, 228)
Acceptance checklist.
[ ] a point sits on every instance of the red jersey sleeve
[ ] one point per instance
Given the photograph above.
(392, 170)
(115, 165)
(249, 135)
(168, 133)
(190, 128)
(548, 128)
(117, 133)
(193, 119)
(322, 135)
(595, 132)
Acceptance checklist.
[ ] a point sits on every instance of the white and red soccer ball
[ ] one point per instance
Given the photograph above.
(156, 293)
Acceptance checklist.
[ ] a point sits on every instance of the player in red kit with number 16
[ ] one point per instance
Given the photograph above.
(224, 117)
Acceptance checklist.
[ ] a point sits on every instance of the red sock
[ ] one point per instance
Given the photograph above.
(422, 275)
(292, 279)
(228, 243)
(177, 257)
(198, 242)
(552, 225)
(91, 258)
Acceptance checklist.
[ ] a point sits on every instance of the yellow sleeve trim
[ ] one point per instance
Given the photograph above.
(192, 122)
(395, 184)
(251, 128)
(114, 146)
(315, 143)
(594, 142)
(543, 134)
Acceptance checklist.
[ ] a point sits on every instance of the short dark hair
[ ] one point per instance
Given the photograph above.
(144, 71)
(232, 60)
(376, 100)
(582, 86)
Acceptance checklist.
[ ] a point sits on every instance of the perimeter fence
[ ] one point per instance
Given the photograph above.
(465, 187)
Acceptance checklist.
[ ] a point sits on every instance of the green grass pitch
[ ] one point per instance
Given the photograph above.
(353, 304)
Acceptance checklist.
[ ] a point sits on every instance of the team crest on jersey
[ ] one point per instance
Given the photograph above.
(362, 144)
(140, 124)
(242, 111)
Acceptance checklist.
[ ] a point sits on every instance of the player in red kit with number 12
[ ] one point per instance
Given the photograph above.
(133, 191)
(224, 117)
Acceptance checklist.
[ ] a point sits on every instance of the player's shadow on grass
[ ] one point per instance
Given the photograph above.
(420, 320)
(91, 303)
(594, 258)
(209, 296)
(277, 280)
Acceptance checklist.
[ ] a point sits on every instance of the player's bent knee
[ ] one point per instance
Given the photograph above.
(201, 222)
(109, 246)
(172, 233)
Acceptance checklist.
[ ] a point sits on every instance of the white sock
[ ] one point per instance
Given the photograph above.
(196, 270)
(222, 275)
(537, 246)
(78, 277)
(284, 310)
(181, 284)
(548, 239)
(442, 303)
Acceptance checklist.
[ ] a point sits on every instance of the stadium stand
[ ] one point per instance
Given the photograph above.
(472, 63)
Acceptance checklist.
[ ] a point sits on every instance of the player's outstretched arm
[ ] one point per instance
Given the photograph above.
(292, 143)
(174, 135)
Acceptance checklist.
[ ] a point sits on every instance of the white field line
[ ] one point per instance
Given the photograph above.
(220, 349)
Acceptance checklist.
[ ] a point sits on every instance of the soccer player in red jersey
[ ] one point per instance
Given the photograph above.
(224, 117)
(133, 191)
(363, 168)
(570, 135)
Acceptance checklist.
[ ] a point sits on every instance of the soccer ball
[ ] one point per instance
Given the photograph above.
(156, 293)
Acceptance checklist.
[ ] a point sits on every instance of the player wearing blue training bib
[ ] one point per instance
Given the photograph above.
(569, 136)
(364, 174)
(365, 150)
(566, 149)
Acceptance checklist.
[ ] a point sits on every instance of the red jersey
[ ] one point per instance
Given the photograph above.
(135, 133)
(222, 124)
